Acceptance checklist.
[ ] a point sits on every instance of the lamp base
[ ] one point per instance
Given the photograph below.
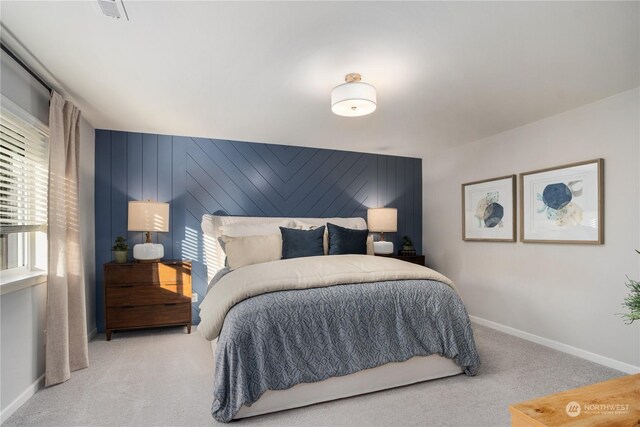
(382, 248)
(148, 252)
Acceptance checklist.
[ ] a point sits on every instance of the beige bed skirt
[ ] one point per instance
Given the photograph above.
(416, 369)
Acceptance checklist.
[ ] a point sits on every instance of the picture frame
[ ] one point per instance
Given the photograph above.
(563, 204)
(489, 210)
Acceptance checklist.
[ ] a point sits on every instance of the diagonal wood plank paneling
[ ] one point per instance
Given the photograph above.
(199, 175)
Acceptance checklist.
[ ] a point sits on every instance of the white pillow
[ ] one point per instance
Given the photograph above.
(247, 250)
(254, 228)
(325, 242)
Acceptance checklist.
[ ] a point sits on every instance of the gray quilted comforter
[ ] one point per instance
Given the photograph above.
(277, 340)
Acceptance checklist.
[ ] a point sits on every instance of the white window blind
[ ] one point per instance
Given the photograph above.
(24, 153)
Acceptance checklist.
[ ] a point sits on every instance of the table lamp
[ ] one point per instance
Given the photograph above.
(148, 216)
(381, 220)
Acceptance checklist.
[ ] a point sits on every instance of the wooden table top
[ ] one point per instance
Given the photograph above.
(611, 403)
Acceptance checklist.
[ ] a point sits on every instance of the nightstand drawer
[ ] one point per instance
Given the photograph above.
(152, 273)
(136, 295)
(148, 315)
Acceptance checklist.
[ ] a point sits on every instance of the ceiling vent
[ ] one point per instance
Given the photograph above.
(111, 8)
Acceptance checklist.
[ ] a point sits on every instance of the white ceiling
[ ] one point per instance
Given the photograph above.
(447, 73)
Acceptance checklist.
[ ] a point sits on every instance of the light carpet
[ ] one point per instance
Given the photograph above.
(163, 377)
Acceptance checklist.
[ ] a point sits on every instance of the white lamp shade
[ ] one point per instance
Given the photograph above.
(353, 99)
(382, 220)
(148, 216)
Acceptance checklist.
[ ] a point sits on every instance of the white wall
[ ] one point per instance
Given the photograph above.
(87, 218)
(22, 319)
(565, 293)
(17, 85)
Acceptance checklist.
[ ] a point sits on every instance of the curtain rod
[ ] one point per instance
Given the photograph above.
(27, 69)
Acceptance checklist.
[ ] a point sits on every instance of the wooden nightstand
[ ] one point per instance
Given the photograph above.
(147, 294)
(414, 259)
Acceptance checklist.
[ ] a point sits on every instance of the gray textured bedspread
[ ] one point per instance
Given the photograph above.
(277, 340)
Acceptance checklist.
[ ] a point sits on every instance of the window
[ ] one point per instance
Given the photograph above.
(24, 145)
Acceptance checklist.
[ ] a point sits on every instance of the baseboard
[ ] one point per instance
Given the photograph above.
(22, 399)
(574, 351)
(92, 334)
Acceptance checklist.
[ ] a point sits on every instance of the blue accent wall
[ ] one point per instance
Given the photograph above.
(199, 175)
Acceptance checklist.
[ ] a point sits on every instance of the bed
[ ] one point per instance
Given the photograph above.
(294, 332)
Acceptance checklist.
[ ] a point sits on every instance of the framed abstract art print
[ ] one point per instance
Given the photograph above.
(563, 204)
(489, 210)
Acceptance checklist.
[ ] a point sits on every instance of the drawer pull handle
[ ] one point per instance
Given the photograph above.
(128, 306)
(173, 303)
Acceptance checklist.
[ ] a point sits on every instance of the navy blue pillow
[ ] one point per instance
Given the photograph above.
(343, 241)
(300, 243)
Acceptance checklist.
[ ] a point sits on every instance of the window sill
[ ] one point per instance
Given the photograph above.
(15, 282)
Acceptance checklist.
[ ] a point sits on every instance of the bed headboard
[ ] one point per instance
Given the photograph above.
(211, 224)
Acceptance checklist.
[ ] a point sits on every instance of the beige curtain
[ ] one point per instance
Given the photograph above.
(66, 334)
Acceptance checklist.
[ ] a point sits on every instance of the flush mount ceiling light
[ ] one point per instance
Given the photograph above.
(353, 98)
